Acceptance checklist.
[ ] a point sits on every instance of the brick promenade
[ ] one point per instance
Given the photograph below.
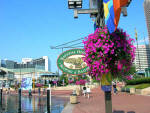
(121, 103)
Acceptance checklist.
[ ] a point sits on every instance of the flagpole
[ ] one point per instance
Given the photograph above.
(136, 37)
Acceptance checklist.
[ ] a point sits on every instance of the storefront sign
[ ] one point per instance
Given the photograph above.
(71, 62)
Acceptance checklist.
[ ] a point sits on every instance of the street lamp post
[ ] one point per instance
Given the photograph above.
(34, 80)
(33, 71)
(96, 10)
(20, 75)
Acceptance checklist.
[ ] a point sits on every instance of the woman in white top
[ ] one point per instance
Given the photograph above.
(88, 90)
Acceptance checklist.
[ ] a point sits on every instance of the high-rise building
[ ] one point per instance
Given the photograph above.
(42, 63)
(9, 64)
(147, 15)
(142, 58)
(25, 60)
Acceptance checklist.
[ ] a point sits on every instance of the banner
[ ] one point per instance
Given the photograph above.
(26, 83)
(112, 11)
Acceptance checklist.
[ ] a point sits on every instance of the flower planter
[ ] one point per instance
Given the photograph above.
(132, 90)
(73, 99)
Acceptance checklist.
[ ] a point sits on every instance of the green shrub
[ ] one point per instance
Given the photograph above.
(138, 81)
(142, 86)
(124, 89)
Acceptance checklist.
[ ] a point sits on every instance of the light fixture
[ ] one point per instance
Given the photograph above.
(73, 4)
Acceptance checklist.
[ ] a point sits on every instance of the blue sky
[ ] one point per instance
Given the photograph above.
(29, 27)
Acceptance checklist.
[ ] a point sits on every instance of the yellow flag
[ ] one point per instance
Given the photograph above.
(135, 34)
(106, 79)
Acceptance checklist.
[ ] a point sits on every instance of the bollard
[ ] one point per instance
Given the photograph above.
(108, 102)
(19, 93)
(1, 94)
(48, 103)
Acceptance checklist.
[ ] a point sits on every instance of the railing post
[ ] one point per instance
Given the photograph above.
(19, 93)
(1, 94)
(48, 101)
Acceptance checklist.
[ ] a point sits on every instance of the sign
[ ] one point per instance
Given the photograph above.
(26, 83)
(106, 82)
(106, 88)
(71, 62)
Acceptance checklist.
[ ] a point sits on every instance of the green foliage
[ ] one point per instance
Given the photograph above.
(125, 89)
(142, 86)
(65, 78)
(139, 86)
(138, 81)
(95, 81)
(132, 70)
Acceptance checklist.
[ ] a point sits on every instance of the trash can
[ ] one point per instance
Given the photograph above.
(73, 98)
(132, 90)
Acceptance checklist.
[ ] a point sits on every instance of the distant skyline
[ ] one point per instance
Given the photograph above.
(29, 27)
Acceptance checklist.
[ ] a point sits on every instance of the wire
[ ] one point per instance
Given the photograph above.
(69, 46)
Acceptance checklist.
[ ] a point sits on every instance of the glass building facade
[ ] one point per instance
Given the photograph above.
(42, 63)
(142, 58)
(147, 15)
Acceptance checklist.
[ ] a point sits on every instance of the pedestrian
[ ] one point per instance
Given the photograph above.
(114, 87)
(6, 91)
(9, 90)
(88, 92)
(84, 90)
(39, 90)
(30, 93)
(43, 91)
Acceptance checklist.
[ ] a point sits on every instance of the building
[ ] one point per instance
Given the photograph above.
(9, 64)
(42, 63)
(147, 15)
(142, 58)
(26, 60)
(6, 77)
(33, 68)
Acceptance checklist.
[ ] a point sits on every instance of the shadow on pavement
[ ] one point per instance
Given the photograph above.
(122, 111)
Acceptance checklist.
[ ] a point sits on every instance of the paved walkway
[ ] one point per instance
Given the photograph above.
(121, 103)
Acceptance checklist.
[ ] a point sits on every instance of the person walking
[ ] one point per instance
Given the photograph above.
(84, 90)
(114, 87)
(8, 90)
(30, 93)
(88, 92)
(43, 91)
(39, 90)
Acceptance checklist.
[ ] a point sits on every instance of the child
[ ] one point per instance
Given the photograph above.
(88, 91)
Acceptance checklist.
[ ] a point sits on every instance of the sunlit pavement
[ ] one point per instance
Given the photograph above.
(121, 103)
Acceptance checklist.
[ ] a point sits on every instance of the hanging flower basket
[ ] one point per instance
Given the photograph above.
(105, 52)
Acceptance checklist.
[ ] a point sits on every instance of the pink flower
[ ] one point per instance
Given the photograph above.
(106, 52)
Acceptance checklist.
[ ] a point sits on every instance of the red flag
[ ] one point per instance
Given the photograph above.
(117, 9)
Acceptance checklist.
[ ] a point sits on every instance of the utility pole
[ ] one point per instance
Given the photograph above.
(98, 13)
